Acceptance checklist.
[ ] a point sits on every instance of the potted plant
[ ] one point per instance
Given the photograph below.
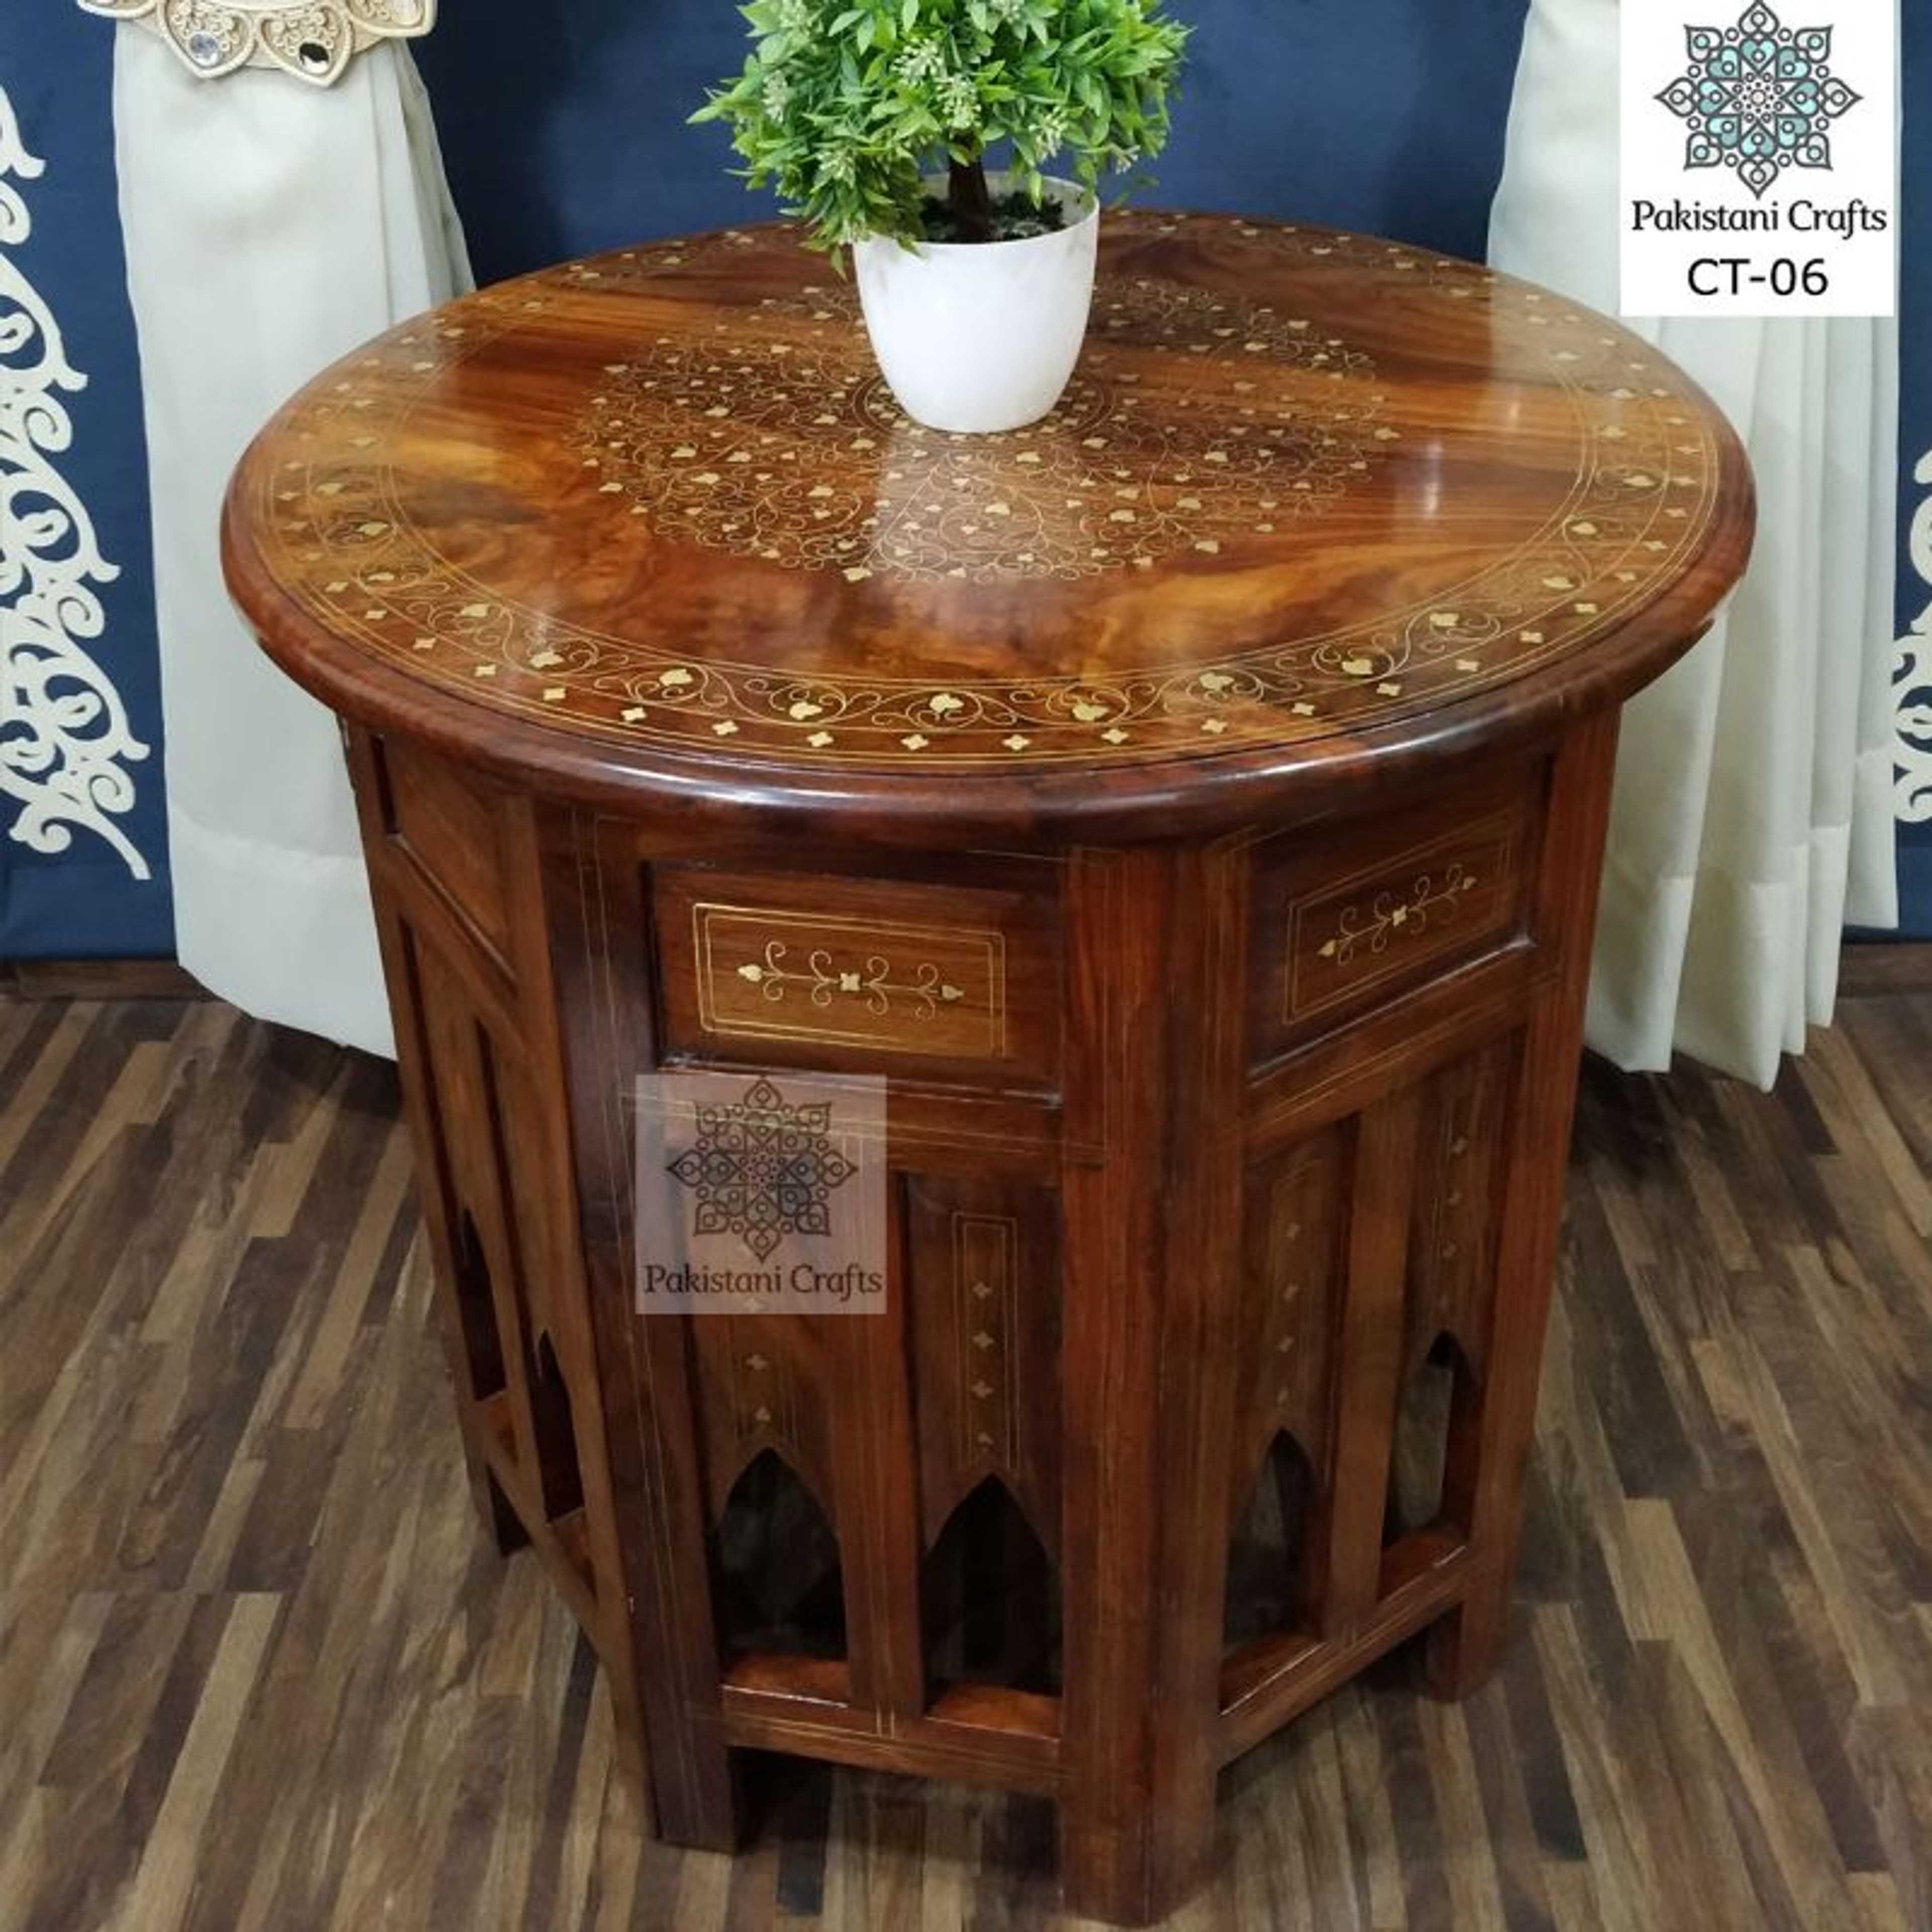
(876, 121)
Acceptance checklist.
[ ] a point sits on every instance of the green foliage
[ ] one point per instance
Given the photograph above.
(844, 104)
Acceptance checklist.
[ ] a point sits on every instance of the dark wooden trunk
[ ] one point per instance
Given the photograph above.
(971, 201)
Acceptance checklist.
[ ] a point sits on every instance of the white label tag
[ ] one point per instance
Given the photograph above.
(1760, 171)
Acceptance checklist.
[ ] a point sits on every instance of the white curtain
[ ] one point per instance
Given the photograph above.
(1753, 815)
(270, 227)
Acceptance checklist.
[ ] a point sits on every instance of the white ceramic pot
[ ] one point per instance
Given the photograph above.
(981, 336)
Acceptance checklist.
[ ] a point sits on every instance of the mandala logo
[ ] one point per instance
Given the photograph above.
(761, 1169)
(1759, 97)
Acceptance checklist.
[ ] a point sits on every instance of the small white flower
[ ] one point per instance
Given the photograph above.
(958, 100)
(917, 64)
(1049, 136)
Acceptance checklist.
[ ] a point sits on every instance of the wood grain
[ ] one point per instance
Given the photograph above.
(1317, 505)
(261, 1674)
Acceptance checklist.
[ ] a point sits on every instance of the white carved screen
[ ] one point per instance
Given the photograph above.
(65, 741)
(1911, 669)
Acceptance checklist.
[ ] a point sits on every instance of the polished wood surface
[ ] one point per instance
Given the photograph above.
(1192, 808)
(652, 524)
(258, 1675)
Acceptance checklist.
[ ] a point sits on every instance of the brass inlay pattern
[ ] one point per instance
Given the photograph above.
(764, 1399)
(1644, 497)
(779, 441)
(985, 1270)
(1390, 916)
(1295, 1204)
(823, 981)
(765, 974)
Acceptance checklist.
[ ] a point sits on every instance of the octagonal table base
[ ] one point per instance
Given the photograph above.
(1232, 1147)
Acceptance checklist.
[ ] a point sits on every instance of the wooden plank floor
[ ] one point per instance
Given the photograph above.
(260, 1673)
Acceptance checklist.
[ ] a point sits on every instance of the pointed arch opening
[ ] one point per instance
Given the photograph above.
(1268, 1548)
(989, 1597)
(477, 1311)
(1424, 1489)
(775, 1560)
(556, 1432)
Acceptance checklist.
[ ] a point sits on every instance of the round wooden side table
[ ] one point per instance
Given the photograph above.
(1231, 749)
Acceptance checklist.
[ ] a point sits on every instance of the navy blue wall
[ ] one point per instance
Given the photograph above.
(1384, 114)
(1914, 429)
(56, 64)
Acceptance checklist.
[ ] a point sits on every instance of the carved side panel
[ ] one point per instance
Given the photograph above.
(440, 844)
(497, 1235)
(1453, 1225)
(1292, 1264)
(1449, 1295)
(982, 1274)
(1292, 1260)
(522, 1210)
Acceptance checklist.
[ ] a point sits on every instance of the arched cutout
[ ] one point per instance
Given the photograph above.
(477, 1311)
(1268, 1550)
(556, 1433)
(989, 1598)
(775, 1559)
(1419, 1477)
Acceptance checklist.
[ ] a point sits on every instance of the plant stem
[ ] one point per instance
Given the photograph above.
(971, 200)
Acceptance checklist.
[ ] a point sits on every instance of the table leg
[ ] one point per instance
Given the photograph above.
(1151, 1283)
(1464, 1646)
(656, 1492)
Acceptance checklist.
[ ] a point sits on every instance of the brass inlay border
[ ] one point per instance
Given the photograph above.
(860, 979)
(1645, 496)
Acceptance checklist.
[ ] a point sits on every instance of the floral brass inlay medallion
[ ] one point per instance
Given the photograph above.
(930, 990)
(748, 443)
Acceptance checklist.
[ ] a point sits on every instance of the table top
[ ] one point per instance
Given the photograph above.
(650, 527)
